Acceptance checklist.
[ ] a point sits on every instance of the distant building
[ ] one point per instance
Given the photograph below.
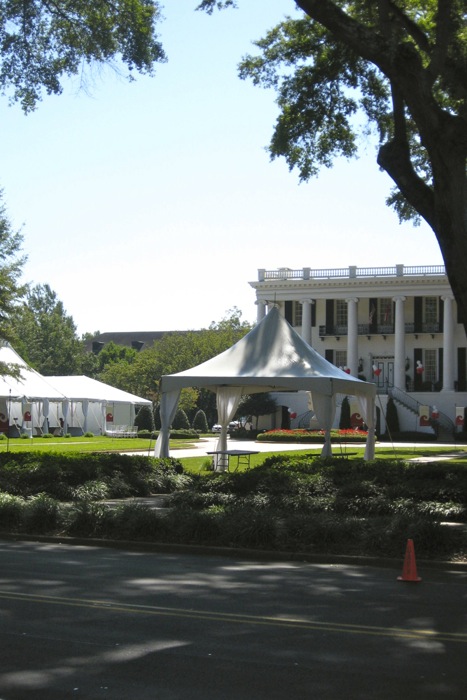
(138, 340)
(394, 326)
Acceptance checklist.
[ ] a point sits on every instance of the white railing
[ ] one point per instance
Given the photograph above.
(353, 272)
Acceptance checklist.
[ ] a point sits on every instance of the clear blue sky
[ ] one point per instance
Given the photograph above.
(151, 205)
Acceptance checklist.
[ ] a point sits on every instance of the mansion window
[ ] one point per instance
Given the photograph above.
(385, 312)
(297, 313)
(340, 358)
(430, 310)
(430, 373)
(341, 315)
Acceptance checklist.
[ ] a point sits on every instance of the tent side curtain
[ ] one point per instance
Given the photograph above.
(228, 399)
(168, 409)
(367, 408)
(325, 409)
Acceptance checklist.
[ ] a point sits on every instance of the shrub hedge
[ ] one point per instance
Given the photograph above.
(69, 476)
(289, 503)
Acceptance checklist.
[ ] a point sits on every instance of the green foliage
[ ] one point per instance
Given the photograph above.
(41, 514)
(180, 421)
(144, 419)
(294, 504)
(184, 434)
(43, 42)
(10, 511)
(96, 490)
(84, 476)
(344, 422)
(11, 266)
(392, 418)
(344, 65)
(45, 335)
(261, 404)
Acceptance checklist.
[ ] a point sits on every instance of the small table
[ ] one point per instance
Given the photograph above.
(243, 457)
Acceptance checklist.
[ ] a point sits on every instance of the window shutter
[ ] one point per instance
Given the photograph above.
(418, 315)
(461, 369)
(329, 316)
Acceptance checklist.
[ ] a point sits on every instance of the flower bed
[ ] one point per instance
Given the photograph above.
(302, 435)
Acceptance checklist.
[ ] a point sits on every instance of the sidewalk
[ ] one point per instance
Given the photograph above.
(205, 445)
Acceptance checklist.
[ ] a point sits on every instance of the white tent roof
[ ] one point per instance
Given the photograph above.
(30, 385)
(271, 357)
(33, 386)
(80, 388)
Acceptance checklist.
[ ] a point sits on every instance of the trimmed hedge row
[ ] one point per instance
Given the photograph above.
(99, 475)
(291, 503)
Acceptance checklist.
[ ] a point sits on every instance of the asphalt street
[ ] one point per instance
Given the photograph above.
(94, 622)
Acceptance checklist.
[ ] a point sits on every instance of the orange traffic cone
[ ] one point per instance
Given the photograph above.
(409, 572)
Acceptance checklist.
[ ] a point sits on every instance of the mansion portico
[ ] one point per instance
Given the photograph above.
(396, 326)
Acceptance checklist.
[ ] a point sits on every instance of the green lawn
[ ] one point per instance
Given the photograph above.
(458, 453)
(99, 443)
(198, 464)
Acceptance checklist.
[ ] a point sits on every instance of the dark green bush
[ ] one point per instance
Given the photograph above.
(11, 509)
(392, 418)
(148, 434)
(408, 436)
(344, 422)
(184, 434)
(144, 419)
(180, 421)
(41, 514)
(134, 522)
(60, 475)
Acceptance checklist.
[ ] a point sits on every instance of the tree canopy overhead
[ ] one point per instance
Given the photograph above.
(43, 40)
(394, 67)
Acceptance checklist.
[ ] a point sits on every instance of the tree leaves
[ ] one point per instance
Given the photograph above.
(41, 42)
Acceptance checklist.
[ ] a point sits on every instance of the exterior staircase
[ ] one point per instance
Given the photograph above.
(445, 427)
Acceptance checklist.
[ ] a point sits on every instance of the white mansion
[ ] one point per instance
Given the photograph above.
(395, 326)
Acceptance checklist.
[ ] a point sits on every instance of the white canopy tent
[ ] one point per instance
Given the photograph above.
(31, 401)
(271, 357)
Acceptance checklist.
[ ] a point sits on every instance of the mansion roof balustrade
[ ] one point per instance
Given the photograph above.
(367, 329)
(352, 272)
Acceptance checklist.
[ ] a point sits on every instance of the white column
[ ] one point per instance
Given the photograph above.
(352, 336)
(261, 310)
(448, 344)
(399, 344)
(306, 320)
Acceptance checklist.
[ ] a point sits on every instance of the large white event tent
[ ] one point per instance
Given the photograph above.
(270, 358)
(79, 404)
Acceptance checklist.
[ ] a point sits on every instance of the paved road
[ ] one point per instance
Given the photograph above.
(92, 623)
(205, 445)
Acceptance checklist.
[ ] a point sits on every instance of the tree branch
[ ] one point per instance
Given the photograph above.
(395, 158)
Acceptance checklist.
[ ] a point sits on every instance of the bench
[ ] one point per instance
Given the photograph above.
(123, 431)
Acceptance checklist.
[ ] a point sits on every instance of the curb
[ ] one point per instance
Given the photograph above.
(232, 552)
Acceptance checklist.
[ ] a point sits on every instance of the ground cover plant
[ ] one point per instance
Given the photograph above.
(292, 502)
(95, 443)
